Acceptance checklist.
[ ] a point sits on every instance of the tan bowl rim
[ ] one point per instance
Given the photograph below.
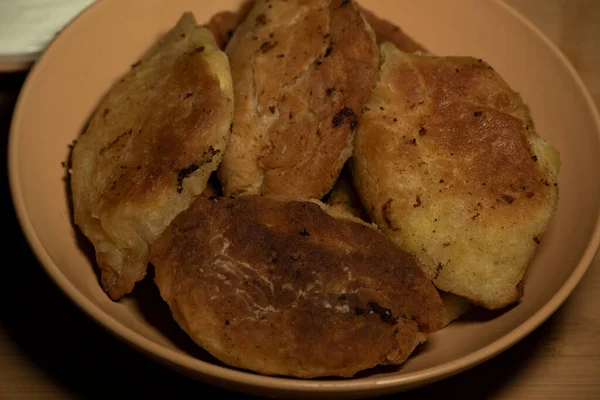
(255, 380)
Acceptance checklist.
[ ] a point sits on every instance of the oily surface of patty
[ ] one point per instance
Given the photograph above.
(284, 287)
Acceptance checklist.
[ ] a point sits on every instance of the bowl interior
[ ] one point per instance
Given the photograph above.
(99, 46)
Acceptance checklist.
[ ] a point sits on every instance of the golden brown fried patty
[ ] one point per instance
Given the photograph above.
(302, 72)
(150, 148)
(284, 288)
(449, 166)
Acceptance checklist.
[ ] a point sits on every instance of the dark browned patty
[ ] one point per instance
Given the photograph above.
(285, 288)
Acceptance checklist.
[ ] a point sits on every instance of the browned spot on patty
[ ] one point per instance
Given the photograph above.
(509, 199)
(386, 214)
(261, 19)
(345, 114)
(438, 271)
(417, 202)
(268, 45)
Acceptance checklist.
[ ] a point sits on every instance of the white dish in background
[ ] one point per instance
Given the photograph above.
(27, 26)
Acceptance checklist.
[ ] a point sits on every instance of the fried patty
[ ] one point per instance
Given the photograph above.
(448, 164)
(302, 72)
(289, 287)
(149, 149)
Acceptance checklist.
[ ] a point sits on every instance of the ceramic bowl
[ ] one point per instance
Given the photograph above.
(99, 46)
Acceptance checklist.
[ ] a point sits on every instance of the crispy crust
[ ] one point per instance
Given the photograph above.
(302, 72)
(453, 171)
(282, 287)
(149, 149)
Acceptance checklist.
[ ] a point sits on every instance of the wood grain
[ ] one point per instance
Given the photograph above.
(49, 349)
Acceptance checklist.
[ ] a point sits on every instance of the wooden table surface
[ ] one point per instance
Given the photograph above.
(49, 349)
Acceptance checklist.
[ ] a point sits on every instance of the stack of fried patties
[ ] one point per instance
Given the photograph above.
(272, 266)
